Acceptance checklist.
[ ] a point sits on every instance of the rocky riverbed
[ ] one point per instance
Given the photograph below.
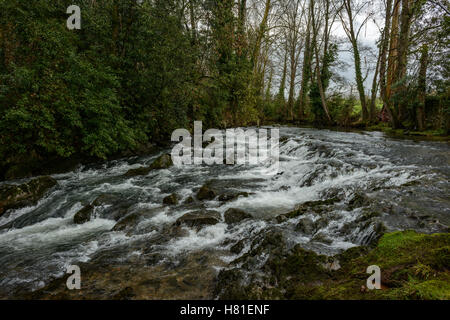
(140, 228)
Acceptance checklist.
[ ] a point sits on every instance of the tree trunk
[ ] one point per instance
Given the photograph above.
(281, 101)
(402, 58)
(318, 73)
(306, 70)
(392, 66)
(422, 88)
(261, 32)
(350, 30)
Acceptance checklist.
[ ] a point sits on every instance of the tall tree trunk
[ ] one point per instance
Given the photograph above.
(373, 98)
(422, 88)
(317, 72)
(193, 21)
(306, 69)
(280, 99)
(292, 75)
(402, 58)
(392, 65)
(260, 34)
(350, 30)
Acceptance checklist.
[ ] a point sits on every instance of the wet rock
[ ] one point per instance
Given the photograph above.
(143, 171)
(359, 200)
(238, 247)
(163, 162)
(206, 193)
(306, 226)
(227, 197)
(105, 200)
(322, 238)
(189, 200)
(84, 215)
(171, 200)
(281, 218)
(24, 195)
(127, 223)
(233, 216)
(322, 222)
(318, 207)
(199, 219)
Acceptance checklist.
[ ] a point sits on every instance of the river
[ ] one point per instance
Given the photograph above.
(403, 184)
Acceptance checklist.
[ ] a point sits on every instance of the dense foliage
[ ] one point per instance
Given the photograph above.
(138, 69)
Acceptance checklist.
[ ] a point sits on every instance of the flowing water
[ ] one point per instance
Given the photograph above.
(406, 181)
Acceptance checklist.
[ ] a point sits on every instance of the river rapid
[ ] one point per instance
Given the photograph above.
(376, 182)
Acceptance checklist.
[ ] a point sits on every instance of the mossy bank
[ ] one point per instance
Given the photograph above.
(413, 266)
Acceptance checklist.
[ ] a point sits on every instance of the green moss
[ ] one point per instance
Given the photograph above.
(413, 266)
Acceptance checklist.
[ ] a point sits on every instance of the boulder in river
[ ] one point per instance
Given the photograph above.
(233, 216)
(163, 162)
(84, 215)
(171, 200)
(24, 195)
(127, 223)
(199, 219)
(189, 200)
(232, 196)
(206, 193)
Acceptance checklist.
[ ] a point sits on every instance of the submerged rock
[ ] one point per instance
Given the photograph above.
(24, 195)
(322, 238)
(199, 219)
(171, 200)
(359, 200)
(238, 247)
(84, 215)
(233, 216)
(105, 200)
(163, 162)
(227, 197)
(306, 226)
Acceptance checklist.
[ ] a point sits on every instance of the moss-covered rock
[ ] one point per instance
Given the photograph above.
(171, 200)
(24, 195)
(163, 162)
